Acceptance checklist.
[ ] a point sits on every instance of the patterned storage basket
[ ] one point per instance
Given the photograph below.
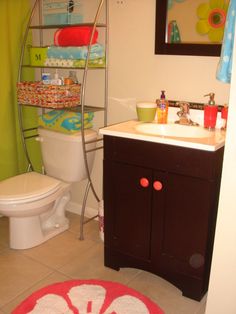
(48, 96)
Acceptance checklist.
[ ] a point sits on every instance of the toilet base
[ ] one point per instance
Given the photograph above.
(26, 232)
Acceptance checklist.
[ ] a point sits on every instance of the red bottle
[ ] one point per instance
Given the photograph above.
(224, 116)
(210, 113)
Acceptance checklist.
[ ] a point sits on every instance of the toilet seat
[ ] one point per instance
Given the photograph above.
(27, 187)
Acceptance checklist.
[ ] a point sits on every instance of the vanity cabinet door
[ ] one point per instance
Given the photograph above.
(127, 213)
(181, 233)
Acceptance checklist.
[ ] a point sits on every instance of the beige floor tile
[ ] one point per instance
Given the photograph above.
(18, 273)
(201, 310)
(179, 306)
(4, 234)
(2, 248)
(149, 282)
(59, 250)
(167, 296)
(51, 279)
(202, 307)
(91, 230)
(91, 266)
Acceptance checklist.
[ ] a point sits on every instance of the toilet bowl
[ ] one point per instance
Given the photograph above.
(31, 201)
(36, 203)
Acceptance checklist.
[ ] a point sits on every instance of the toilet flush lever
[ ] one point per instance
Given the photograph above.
(39, 139)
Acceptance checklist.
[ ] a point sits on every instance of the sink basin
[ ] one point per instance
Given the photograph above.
(173, 130)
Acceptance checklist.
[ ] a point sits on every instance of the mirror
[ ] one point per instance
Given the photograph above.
(199, 41)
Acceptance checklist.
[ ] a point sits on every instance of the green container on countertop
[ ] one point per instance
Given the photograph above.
(146, 111)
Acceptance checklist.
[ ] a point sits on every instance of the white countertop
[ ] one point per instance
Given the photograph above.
(127, 129)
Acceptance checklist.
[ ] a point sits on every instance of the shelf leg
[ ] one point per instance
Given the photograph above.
(81, 236)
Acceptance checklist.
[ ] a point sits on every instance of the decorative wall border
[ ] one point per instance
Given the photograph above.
(193, 105)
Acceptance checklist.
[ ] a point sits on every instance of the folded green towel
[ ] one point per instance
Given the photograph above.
(99, 62)
(65, 121)
(78, 63)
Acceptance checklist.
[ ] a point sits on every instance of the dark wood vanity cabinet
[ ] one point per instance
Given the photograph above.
(160, 207)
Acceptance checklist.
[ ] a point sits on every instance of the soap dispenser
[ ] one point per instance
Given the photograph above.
(162, 108)
(210, 113)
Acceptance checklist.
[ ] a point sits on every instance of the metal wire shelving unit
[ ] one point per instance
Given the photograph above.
(82, 107)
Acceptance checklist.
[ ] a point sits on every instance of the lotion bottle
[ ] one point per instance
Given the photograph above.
(73, 77)
(56, 80)
(162, 109)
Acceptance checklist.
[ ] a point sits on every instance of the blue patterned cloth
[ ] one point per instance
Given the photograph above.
(65, 121)
(224, 69)
(97, 51)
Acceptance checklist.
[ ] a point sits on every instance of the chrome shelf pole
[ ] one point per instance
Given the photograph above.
(90, 183)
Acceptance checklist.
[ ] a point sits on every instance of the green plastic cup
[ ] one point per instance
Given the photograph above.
(146, 111)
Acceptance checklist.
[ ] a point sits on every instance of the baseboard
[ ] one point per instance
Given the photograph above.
(76, 209)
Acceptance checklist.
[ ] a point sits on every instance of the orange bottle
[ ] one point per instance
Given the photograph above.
(162, 109)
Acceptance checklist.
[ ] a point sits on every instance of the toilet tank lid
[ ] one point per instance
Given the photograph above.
(75, 137)
(26, 186)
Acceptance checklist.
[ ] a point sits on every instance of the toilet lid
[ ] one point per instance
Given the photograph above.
(27, 185)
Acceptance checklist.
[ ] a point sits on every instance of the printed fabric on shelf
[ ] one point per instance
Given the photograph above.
(65, 121)
(97, 51)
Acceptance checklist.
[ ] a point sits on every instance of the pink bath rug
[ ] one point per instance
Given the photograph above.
(87, 297)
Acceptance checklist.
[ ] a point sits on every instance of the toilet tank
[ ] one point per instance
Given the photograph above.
(63, 154)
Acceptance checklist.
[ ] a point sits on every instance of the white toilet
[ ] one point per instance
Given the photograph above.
(36, 203)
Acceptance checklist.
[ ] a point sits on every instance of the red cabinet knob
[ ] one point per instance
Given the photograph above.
(157, 185)
(144, 182)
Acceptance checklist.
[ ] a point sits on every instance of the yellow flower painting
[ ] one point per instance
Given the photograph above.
(212, 17)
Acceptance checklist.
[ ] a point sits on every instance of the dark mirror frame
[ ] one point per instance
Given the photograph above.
(163, 48)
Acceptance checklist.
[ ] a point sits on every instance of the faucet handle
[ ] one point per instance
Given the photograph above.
(184, 107)
(184, 114)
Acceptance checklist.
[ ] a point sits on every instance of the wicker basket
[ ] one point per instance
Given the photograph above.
(48, 96)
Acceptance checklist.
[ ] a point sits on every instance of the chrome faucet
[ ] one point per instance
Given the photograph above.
(184, 114)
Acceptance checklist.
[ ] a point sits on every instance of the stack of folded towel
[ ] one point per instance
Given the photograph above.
(75, 36)
(75, 55)
(65, 121)
(71, 48)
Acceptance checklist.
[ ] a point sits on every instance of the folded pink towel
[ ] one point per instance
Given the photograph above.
(74, 36)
